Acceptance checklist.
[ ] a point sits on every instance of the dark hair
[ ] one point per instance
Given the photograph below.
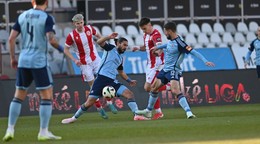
(170, 26)
(121, 39)
(144, 21)
(40, 2)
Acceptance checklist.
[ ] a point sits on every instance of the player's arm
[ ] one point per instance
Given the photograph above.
(248, 55)
(158, 49)
(102, 40)
(140, 48)
(98, 35)
(53, 41)
(68, 54)
(124, 76)
(201, 57)
(12, 40)
(50, 34)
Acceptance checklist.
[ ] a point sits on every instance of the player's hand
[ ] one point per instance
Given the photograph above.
(153, 48)
(77, 62)
(211, 64)
(135, 48)
(157, 52)
(132, 83)
(14, 63)
(113, 35)
(245, 65)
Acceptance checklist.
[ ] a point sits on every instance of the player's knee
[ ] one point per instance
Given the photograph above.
(91, 101)
(128, 94)
(131, 99)
(153, 94)
(147, 89)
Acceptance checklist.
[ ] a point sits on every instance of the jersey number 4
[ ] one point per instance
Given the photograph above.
(30, 31)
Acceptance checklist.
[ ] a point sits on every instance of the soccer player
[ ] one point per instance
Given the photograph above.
(175, 50)
(255, 45)
(152, 37)
(82, 43)
(36, 29)
(111, 64)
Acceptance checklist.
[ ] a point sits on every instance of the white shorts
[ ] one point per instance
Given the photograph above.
(88, 71)
(150, 74)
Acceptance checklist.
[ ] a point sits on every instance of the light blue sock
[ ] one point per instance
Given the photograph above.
(152, 99)
(45, 112)
(133, 106)
(80, 111)
(14, 111)
(183, 102)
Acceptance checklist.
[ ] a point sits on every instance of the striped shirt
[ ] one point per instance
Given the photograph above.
(83, 44)
(151, 40)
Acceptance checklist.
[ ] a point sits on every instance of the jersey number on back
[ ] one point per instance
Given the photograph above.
(30, 31)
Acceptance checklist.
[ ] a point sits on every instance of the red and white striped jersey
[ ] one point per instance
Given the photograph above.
(83, 44)
(151, 40)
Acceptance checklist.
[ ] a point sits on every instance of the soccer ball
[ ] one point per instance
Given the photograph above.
(108, 92)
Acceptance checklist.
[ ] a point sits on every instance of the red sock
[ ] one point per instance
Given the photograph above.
(97, 103)
(162, 88)
(157, 104)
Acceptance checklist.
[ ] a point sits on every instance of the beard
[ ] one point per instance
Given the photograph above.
(169, 37)
(120, 50)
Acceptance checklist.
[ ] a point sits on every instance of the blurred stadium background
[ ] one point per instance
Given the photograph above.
(219, 29)
(202, 23)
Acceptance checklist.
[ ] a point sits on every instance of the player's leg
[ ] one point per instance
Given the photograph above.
(88, 76)
(100, 109)
(83, 108)
(109, 102)
(153, 95)
(95, 93)
(150, 77)
(125, 92)
(175, 89)
(14, 112)
(43, 82)
(157, 106)
(23, 81)
(111, 105)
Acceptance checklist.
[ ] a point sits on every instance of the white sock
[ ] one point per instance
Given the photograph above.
(10, 128)
(159, 110)
(43, 131)
(99, 108)
(109, 102)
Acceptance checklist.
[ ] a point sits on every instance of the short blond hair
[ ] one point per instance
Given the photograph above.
(77, 17)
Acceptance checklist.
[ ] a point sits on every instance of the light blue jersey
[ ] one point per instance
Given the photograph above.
(111, 62)
(174, 53)
(255, 45)
(33, 25)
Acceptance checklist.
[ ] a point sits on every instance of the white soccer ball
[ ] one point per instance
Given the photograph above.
(108, 92)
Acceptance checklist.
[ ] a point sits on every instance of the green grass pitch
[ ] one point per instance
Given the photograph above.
(230, 124)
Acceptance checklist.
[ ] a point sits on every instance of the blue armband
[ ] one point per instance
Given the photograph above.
(60, 48)
(128, 80)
